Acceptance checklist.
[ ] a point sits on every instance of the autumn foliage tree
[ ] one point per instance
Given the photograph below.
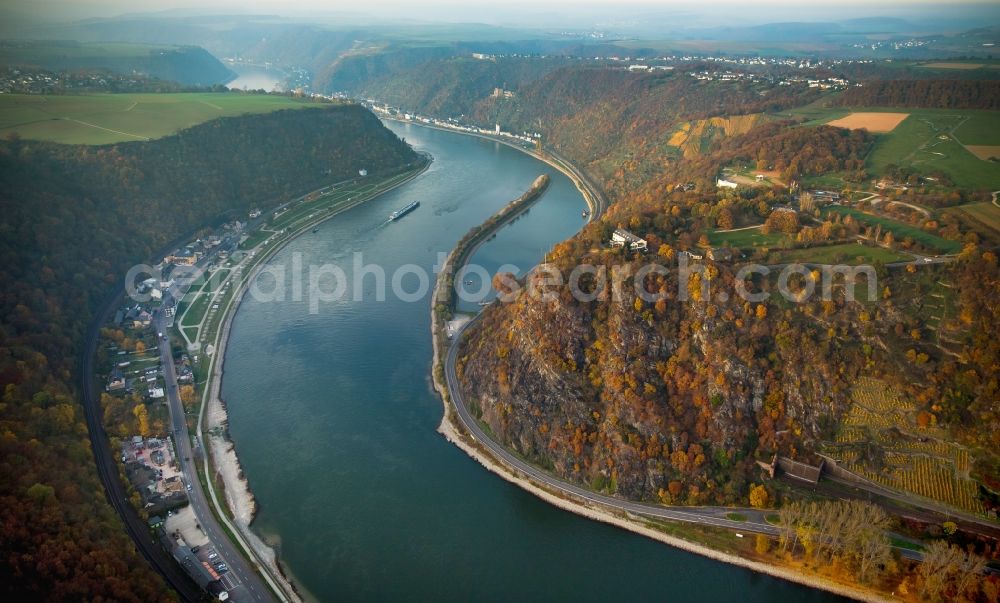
(759, 497)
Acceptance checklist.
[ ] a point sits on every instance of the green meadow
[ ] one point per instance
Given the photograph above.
(932, 140)
(750, 237)
(109, 118)
(899, 230)
(928, 140)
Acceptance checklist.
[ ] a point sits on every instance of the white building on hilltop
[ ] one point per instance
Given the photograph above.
(621, 237)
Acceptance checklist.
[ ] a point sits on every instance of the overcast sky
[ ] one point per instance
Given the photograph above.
(511, 11)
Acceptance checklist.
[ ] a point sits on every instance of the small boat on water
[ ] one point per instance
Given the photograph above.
(402, 211)
(315, 230)
(585, 213)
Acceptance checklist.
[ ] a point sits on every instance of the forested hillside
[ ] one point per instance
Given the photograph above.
(422, 80)
(74, 219)
(186, 65)
(617, 124)
(926, 94)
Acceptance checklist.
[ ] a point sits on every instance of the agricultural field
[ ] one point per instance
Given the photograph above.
(899, 230)
(110, 118)
(961, 65)
(875, 122)
(881, 441)
(848, 253)
(935, 139)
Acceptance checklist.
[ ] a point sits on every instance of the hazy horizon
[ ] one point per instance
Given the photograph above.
(636, 15)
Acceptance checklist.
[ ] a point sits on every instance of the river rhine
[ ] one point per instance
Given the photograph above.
(334, 421)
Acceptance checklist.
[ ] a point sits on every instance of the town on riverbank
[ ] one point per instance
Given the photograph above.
(161, 360)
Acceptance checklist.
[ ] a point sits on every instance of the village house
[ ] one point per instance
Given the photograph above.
(116, 380)
(181, 257)
(141, 320)
(720, 254)
(185, 375)
(173, 484)
(690, 255)
(621, 237)
(824, 196)
(723, 183)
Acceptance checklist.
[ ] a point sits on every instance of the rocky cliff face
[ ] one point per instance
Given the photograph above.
(670, 401)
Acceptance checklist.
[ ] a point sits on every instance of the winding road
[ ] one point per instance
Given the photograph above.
(249, 585)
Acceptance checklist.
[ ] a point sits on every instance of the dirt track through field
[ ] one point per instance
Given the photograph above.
(83, 123)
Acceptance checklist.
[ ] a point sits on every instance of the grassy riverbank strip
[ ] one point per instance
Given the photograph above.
(220, 459)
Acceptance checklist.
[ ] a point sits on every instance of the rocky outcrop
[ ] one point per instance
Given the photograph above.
(669, 402)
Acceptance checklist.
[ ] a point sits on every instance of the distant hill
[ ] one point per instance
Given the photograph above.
(616, 124)
(187, 65)
(448, 86)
